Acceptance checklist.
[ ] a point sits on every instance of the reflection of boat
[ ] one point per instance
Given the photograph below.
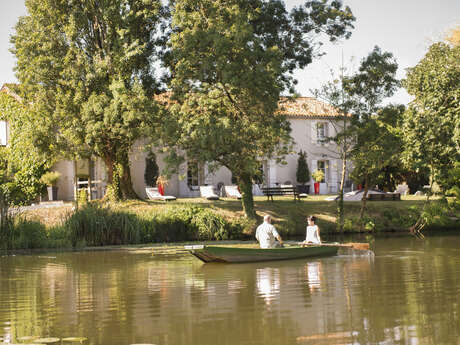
(248, 254)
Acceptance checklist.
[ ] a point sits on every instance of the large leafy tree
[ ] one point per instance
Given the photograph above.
(85, 66)
(230, 60)
(431, 127)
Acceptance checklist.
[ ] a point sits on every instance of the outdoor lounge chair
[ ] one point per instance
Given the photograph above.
(154, 194)
(208, 193)
(232, 192)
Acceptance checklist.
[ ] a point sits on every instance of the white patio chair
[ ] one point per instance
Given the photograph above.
(232, 192)
(154, 194)
(208, 193)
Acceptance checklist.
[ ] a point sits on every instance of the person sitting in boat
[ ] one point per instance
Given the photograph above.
(267, 235)
(312, 232)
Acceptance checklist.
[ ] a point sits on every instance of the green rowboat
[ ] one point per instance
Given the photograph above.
(247, 254)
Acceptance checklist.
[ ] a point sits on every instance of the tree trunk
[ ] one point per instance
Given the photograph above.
(340, 211)
(363, 202)
(245, 184)
(126, 183)
(113, 191)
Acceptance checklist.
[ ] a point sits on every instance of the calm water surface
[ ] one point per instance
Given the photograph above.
(408, 294)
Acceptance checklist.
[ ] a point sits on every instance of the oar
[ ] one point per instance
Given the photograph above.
(354, 248)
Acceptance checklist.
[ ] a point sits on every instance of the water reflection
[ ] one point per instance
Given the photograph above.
(313, 271)
(268, 283)
(121, 298)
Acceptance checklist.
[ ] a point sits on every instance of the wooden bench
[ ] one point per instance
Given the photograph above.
(281, 191)
(384, 197)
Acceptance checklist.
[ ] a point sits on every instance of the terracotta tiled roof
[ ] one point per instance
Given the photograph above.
(300, 107)
(305, 107)
(9, 90)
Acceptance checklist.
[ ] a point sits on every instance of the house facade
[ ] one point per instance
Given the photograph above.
(311, 122)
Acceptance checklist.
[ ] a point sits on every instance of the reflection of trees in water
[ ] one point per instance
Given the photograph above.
(120, 298)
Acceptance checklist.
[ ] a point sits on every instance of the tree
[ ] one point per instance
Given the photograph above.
(374, 81)
(334, 94)
(303, 173)
(230, 60)
(85, 67)
(358, 98)
(378, 148)
(151, 169)
(431, 125)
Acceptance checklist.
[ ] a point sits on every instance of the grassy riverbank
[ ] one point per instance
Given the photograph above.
(141, 222)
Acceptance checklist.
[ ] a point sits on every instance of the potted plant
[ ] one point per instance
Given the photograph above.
(50, 179)
(318, 176)
(303, 173)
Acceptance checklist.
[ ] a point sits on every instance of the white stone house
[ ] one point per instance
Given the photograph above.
(311, 122)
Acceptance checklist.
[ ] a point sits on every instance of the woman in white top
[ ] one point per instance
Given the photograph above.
(312, 231)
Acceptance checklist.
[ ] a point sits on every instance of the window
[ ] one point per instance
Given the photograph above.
(192, 174)
(321, 132)
(3, 133)
(323, 165)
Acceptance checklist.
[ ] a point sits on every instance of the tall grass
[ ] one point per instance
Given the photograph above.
(96, 225)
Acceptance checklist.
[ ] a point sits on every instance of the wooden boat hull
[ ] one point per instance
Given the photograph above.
(238, 254)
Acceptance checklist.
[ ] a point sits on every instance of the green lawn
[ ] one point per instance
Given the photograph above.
(289, 216)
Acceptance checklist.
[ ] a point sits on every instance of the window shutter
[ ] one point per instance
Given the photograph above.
(313, 132)
(314, 165)
(326, 131)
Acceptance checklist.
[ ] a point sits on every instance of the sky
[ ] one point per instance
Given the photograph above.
(405, 28)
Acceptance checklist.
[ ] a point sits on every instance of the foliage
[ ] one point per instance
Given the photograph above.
(318, 175)
(303, 173)
(378, 148)
(26, 164)
(82, 197)
(151, 169)
(50, 178)
(86, 71)
(228, 73)
(431, 126)
(376, 144)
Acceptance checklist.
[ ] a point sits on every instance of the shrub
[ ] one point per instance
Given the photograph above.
(302, 173)
(151, 169)
(348, 225)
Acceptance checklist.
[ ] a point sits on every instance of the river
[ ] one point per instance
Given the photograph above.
(409, 293)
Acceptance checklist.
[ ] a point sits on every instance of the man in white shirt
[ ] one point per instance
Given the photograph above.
(266, 234)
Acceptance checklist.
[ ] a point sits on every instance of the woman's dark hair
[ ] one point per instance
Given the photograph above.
(312, 218)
